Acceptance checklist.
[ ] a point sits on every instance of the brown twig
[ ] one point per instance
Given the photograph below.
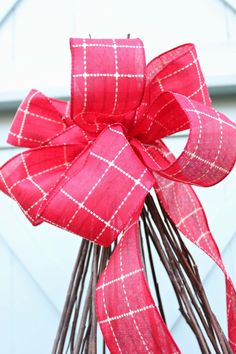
(156, 229)
(84, 317)
(77, 305)
(185, 308)
(71, 295)
(92, 347)
(153, 272)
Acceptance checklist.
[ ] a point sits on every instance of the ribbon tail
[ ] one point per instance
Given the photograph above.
(132, 325)
(231, 311)
(185, 210)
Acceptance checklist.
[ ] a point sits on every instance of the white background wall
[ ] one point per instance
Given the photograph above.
(35, 263)
(36, 34)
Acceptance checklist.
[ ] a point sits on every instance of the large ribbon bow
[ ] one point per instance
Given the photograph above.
(93, 161)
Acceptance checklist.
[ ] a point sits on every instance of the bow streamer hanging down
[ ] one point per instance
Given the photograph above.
(93, 160)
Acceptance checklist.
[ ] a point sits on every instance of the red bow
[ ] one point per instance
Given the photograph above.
(92, 162)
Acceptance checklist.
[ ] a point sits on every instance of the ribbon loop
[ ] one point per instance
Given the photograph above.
(30, 176)
(177, 70)
(101, 191)
(210, 152)
(66, 185)
(38, 119)
(107, 80)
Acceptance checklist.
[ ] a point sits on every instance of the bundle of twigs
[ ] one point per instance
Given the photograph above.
(77, 331)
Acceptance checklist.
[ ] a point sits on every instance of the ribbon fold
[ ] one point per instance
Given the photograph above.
(93, 160)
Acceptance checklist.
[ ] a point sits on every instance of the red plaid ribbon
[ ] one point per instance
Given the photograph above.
(92, 162)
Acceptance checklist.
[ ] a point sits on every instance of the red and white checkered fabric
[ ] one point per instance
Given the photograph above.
(106, 91)
(93, 161)
(125, 310)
